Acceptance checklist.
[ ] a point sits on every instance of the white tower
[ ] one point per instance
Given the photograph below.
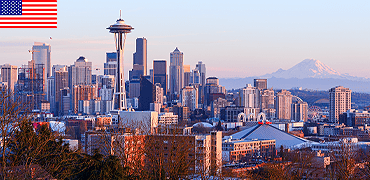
(119, 29)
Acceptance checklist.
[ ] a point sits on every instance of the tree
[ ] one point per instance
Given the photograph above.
(343, 156)
(10, 116)
(100, 167)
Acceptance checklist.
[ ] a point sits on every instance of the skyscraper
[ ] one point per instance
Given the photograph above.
(9, 74)
(31, 85)
(299, 110)
(267, 103)
(139, 60)
(340, 102)
(187, 75)
(176, 72)
(50, 96)
(260, 84)
(80, 77)
(160, 74)
(82, 92)
(283, 104)
(202, 72)
(80, 72)
(147, 94)
(61, 82)
(212, 91)
(250, 97)
(41, 55)
(110, 66)
(189, 97)
(140, 56)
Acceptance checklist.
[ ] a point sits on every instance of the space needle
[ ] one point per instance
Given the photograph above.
(120, 29)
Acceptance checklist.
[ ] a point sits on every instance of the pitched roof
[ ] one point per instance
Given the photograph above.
(265, 131)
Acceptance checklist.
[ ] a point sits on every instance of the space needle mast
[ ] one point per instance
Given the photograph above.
(120, 29)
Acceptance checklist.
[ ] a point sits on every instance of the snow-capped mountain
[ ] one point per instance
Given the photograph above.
(308, 68)
(309, 73)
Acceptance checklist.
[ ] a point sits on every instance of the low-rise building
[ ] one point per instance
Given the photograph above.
(236, 150)
(355, 118)
(167, 118)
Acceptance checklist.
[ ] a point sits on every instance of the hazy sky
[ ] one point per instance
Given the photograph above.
(233, 38)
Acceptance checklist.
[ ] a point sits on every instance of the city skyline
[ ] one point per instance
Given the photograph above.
(258, 38)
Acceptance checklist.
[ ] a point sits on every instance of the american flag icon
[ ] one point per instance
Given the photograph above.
(28, 13)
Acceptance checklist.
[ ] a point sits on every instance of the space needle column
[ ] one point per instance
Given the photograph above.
(120, 29)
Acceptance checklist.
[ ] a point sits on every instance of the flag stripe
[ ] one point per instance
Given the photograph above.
(42, 5)
(27, 14)
(28, 18)
(39, 9)
(28, 22)
(39, 12)
(38, 3)
(28, 26)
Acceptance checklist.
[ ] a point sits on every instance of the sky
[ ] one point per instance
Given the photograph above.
(236, 38)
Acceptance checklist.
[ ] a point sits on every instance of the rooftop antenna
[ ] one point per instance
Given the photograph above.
(120, 16)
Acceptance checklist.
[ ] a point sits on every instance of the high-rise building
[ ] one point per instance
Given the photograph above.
(267, 99)
(147, 94)
(283, 105)
(176, 72)
(299, 110)
(110, 66)
(260, 84)
(202, 72)
(9, 74)
(195, 77)
(267, 103)
(212, 80)
(250, 97)
(66, 101)
(82, 92)
(212, 91)
(134, 88)
(50, 97)
(80, 72)
(340, 102)
(61, 82)
(139, 67)
(187, 75)
(160, 74)
(41, 55)
(189, 97)
(151, 75)
(57, 67)
(30, 87)
(107, 81)
(140, 56)
(159, 93)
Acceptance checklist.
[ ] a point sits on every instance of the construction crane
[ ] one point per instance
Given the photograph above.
(32, 78)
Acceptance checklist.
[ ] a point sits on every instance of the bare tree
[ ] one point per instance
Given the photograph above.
(11, 113)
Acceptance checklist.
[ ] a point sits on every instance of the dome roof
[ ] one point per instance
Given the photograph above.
(81, 59)
(203, 124)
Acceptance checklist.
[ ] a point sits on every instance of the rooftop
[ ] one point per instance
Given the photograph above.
(266, 131)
